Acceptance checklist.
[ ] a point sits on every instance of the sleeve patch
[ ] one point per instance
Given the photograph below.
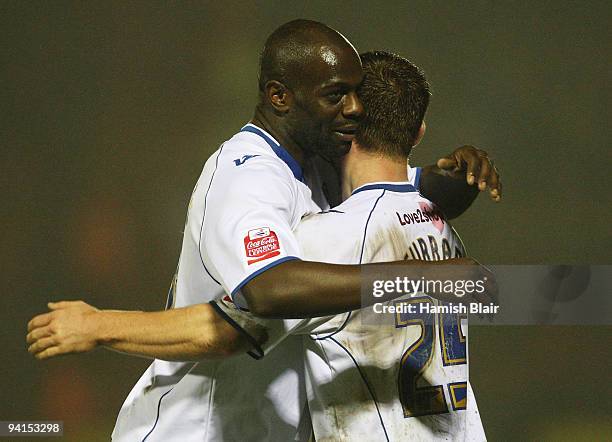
(261, 244)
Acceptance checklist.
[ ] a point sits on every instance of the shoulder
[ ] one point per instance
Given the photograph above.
(246, 152)
(330, 236)
(395, 212)
(337, 235)
(246, 163)
(347, 219)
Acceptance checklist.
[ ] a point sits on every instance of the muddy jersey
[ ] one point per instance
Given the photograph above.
(405, 379)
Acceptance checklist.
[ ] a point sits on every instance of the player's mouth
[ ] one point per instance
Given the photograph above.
(346, 134)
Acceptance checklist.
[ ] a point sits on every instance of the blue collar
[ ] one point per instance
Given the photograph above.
(386, 186)
(279, 150)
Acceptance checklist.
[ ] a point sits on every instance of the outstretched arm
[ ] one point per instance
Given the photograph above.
(183, 334)
(454, 182)
(302, 289)
(294, 289)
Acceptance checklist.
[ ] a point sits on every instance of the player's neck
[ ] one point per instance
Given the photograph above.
(280, 134)
(360, 168)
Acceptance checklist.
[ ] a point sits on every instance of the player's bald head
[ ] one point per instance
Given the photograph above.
(289, 52)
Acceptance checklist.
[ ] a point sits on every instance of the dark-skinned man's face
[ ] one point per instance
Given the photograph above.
(326, 109)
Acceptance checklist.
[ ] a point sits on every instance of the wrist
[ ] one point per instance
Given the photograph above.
(100, 331)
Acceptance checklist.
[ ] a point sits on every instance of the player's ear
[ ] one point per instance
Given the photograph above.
(279, 96)
(421, 133)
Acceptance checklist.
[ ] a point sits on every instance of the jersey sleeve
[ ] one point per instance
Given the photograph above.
(274, 331)
(248, 220)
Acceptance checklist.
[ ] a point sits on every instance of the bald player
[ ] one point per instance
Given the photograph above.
(238, 240)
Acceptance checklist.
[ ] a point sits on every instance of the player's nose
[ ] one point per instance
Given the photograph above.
(353, 108)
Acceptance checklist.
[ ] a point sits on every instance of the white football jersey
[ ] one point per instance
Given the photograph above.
(403, 381)
(371, 382)
(250, 197)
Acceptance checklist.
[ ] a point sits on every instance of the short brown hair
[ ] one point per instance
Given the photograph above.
(395, 94)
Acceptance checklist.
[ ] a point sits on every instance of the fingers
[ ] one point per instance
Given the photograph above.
(63, 304)
(55, 305)
(472, 160)
(485, 170)
(479, 169)
(49, 353)
(37, 334)
(464, 158)
(42, 345)
(447, 163)
(489, 177)
(65, 329)
(40, 321)
(495, 185)
(45, 318)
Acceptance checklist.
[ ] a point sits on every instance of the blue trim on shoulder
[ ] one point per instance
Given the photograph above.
(367, 384)
(258, 272)
(157, 418)
(386, 186)
(417, 178)
(279, 150)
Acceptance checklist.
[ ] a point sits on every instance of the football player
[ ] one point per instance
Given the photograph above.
(403, 377)
(239, 240)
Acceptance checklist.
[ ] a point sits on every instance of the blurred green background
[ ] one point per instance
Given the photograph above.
(109, 110)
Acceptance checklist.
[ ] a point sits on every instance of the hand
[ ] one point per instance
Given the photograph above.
(68, 328)
(478, 166)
